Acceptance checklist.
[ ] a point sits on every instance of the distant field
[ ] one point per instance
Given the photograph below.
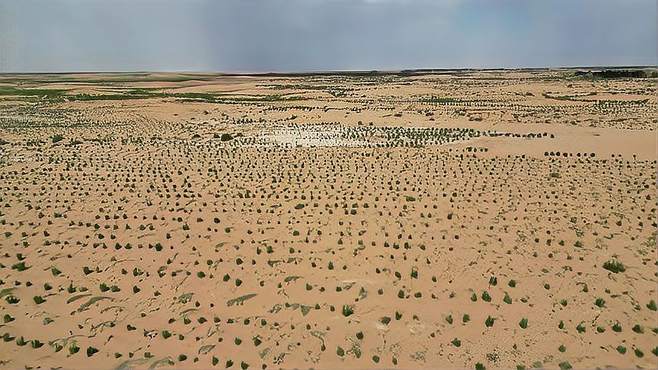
(412, 219)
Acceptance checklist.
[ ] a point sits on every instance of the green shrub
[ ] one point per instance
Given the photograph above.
(614, 266)
(347, 310)
(523, 323)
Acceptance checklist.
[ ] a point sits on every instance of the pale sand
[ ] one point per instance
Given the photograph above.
(414, 227)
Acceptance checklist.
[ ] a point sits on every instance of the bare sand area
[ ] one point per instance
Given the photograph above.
(479, 219)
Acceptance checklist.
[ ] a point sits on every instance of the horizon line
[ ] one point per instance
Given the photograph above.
(336, 71)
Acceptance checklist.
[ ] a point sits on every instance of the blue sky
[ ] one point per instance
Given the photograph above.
(308, 35)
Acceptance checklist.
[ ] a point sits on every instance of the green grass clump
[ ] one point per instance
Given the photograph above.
(38, 299)
(20, 266)
(11, 299)
(614, 266)
(73, 348)
(523, 323)
(347, 310)
(489, 321)
(565, 365)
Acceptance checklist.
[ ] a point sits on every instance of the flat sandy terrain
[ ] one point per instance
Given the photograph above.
(482, 219)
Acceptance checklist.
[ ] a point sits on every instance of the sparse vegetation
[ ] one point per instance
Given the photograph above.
(268, 221)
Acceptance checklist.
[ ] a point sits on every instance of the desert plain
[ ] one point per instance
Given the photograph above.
(445, 219)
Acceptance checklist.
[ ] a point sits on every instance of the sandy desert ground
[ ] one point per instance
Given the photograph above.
(467, 219)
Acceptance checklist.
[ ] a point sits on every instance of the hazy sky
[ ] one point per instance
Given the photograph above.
(304, 35)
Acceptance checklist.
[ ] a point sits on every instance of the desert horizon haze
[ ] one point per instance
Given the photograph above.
(314, 35)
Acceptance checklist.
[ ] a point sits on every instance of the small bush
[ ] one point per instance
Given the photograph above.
(523, 323)
(614, 266)
(347, 310)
